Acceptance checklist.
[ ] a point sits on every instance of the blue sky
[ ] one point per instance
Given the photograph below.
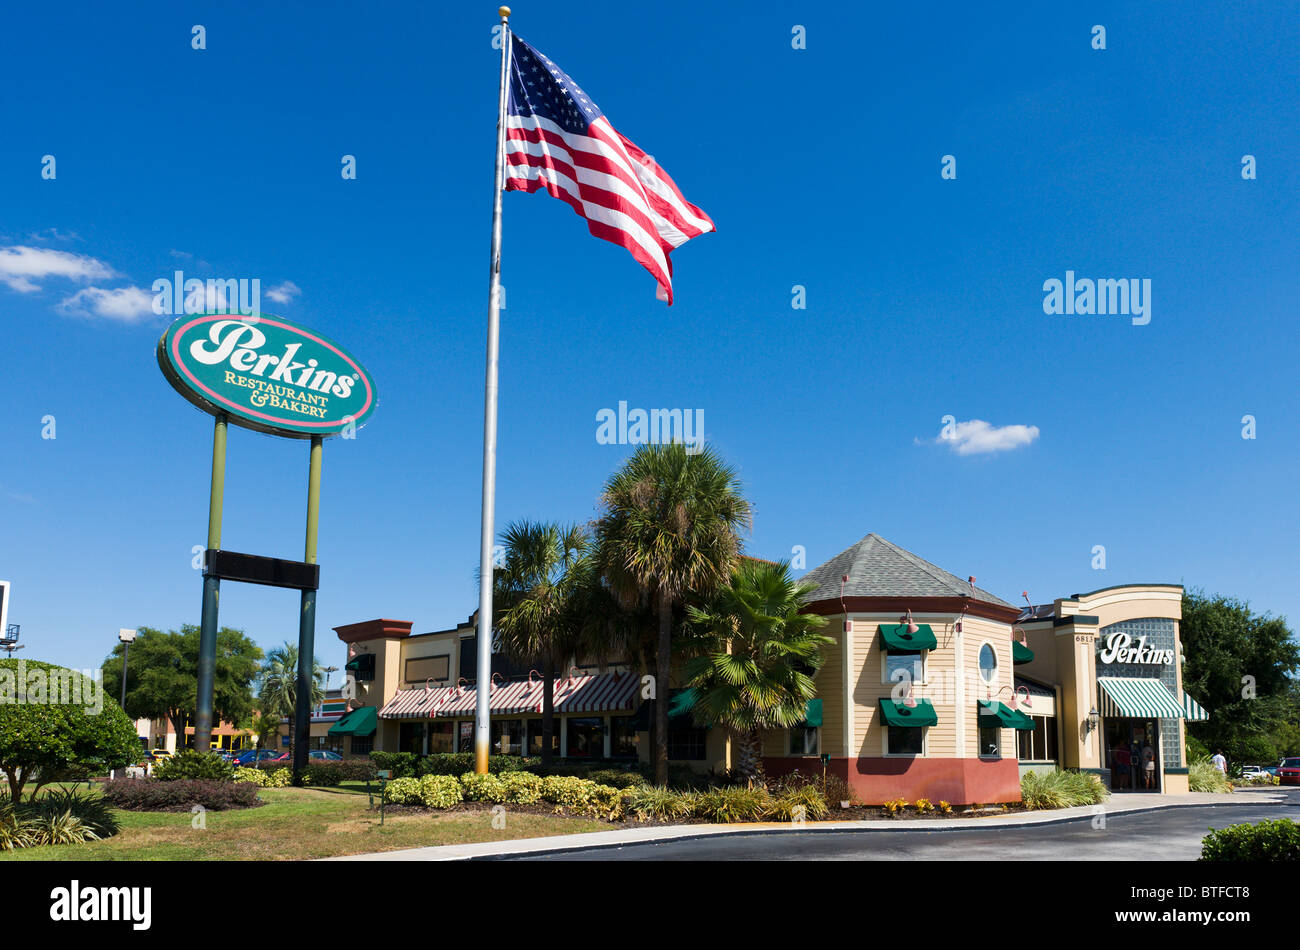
(821, 168)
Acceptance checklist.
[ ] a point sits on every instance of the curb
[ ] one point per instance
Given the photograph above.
(523, 847)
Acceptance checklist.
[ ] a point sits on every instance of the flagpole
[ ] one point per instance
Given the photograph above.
(483, 675)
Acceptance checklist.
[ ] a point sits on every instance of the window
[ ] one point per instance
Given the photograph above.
(1038, 744)
(990, 743)
(622, 737)
(410, 737)
(904, 741)
(535, 736)
(466, 732)
(988, 663)
(361, 745)
(805, 740)
(586, 737)
(904, 667)
(507, 736)
(421, 669)
(686, 744)
(441, 736)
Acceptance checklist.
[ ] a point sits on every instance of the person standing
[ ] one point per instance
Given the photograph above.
(1148, 766)
(1220, 762)
(1123, 763)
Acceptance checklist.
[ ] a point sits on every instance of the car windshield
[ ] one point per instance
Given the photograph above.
(1291, 764)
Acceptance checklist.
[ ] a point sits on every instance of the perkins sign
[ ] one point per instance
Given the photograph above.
(266, 374)
(1119, 648)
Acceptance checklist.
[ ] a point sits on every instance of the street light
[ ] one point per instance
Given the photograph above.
(126, 636)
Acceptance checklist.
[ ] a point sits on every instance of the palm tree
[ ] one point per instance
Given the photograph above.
(266, 726)
(279, 693)
(752, 655)
(537, 587)
(669, 528)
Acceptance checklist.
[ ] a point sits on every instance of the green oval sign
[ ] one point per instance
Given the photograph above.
(267, 374)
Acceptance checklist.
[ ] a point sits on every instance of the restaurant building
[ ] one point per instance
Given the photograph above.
(932, 688)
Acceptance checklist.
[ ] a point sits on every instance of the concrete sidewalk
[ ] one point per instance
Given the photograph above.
(1118, 804)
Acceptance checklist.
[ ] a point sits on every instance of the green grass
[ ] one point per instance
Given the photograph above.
(298, 824)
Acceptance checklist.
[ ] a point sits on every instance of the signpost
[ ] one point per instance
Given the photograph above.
(264, 373)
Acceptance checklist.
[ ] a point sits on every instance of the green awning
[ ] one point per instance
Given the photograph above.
(362, 662)
(1193, 710)
(996, 715)
(1020, 653)
(359, 722)
(912, 717)
(812, 715)
(1137, 698)
(896, 637)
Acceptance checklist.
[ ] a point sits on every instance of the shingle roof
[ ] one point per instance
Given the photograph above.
(879, 568)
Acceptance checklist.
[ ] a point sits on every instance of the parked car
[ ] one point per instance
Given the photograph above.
(1289, 771)
(1254, 773)
(284, 756)
(160, 753)
(255, 756)
(325, 755)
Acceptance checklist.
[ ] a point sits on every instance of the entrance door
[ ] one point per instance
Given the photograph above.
(1130, 745)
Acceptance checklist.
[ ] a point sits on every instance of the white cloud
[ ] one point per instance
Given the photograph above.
(283, 293)
(977, 437)
(127, 304)
(22, 266)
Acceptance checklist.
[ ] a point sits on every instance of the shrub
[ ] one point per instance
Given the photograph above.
(140, 794)
(567, 791)
(458, 763)
(1277, 840)
(482, 788)
(404, 791)
(606, 802)
(656, 802)
(246, 774)
(429, 791)
(894, 807)
(836, 790)
(1202, 776)
(60, 816)
(618, 778)
(945, 807)
(323, 774)
(803, 800)
(399, 764)
(924, 806)
(522, 788)
(193, 764)
(1060, 789)
(732, 804)
(50, 740)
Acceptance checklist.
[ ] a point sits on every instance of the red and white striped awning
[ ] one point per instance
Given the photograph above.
(602, 692)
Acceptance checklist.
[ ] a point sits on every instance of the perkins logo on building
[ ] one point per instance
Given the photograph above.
(1118, 648)
(266, 374)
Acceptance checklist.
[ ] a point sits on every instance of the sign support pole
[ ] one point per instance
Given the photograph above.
(211, 595)
(307, 622)
(483, 675)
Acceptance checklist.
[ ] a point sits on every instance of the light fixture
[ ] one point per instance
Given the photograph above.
(907, 619)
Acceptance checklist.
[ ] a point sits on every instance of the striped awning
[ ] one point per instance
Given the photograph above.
(1138, 698)
(1193, 710)
(603, 692)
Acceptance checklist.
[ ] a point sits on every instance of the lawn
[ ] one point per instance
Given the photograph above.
(298, 824)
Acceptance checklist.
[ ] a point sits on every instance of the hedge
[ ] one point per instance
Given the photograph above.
(1277, 840)
(142, 794)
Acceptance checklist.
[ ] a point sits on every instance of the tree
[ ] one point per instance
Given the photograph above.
(669, 529)
(162, 677)
(56, 723)
(536, 589)
(751, 656)
(267, 729)
(1240, 665)
(279, 694)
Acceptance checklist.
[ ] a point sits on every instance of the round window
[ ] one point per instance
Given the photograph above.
(988, 663)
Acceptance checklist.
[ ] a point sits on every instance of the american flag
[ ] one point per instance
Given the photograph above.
(558, 139)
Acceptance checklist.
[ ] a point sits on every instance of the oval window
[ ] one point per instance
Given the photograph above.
(988, 663)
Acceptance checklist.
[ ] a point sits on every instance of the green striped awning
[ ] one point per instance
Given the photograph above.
(1138, 698)
(1193, 710)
